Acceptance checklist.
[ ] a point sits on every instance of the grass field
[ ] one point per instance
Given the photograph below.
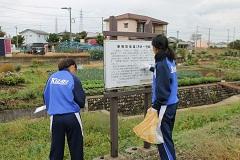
(200, 133)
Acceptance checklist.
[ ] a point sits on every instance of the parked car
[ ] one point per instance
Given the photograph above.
(38, 48)
(35, 48)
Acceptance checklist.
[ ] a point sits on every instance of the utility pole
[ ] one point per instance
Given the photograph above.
(200, 41)
(56, 26)
(234, 33)
(228, 35)
(70, 19)
(209, 36)
(102, 25)
(177, 39)
(196, 37)
(177, 35)
(16, 36)
(70, 16)
(81, 21)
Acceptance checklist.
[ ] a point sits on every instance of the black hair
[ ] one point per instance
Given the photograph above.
(161, 42)
(65, 63)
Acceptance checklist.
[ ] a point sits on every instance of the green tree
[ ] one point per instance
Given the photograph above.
(81, 35)
(234, 45)
(53, 38)
(2, 34)
(66, 37)
(19, 39)
(100, 39)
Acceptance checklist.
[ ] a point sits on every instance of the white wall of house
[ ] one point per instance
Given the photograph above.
(31, 37)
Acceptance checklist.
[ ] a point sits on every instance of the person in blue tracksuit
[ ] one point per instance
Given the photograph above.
(164, 93)
(63, 97)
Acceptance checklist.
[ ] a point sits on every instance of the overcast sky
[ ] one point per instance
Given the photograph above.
(182, 15)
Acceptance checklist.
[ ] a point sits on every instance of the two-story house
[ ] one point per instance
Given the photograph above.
(34, 36)
(132, 26)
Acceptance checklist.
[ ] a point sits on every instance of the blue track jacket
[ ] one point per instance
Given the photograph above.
(165, 85)
(63, 93)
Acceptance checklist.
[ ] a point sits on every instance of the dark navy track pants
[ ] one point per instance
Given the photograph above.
(166, 149)
(68, 125)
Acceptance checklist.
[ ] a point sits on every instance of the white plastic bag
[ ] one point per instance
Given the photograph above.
(149, 129)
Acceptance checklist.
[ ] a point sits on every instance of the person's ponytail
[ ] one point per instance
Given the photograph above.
(161, 42)
(171, 54)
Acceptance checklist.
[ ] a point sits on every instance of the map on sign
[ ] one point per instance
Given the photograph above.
(124, 62)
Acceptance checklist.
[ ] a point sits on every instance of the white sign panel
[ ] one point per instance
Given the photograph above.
(124, 63)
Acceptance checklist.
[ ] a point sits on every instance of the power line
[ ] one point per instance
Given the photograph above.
(39, 13)
(27, 18)
(29, 6)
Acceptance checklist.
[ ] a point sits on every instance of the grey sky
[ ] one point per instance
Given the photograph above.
(182, 15)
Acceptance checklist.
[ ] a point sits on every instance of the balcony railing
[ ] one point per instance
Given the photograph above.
(160, 31)
(140, 30)
(157, 31)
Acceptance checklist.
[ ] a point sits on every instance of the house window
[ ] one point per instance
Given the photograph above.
(140, 27)
(125, 25)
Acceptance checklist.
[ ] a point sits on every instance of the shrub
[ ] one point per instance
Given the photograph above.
(11, 79)
(231, 53)
(17, 68)
(6, 68)
(182, 52)
(234, 44)
(191, 61)
(96, 54)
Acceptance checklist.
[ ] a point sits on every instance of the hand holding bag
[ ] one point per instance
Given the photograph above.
(149, 129)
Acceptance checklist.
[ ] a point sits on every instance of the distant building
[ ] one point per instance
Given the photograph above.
(220, 45)
(61, 34)
(34, 36)
(180, 43)
(132, 26)
(93, 34)
(186, 45)
(92, 38)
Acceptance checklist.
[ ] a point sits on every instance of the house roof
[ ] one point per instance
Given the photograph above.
(35, 31)
(92, 34)
(137, 17)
